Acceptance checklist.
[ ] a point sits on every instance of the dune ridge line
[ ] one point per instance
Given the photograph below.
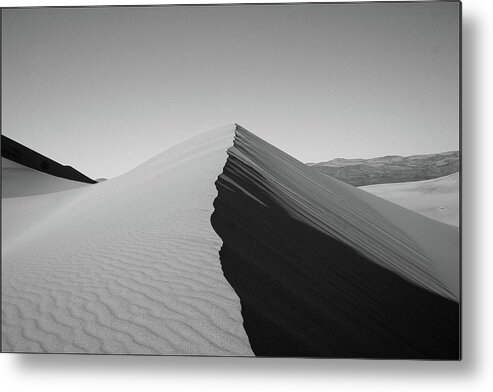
(127, 266)
(309, 291)
(353, 216)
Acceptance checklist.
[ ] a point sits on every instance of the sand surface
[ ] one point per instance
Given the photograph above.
(129, 265)
(299, 249)
(304, 293)
(385, 233)
(19, 180)
(135, 265)
(437, 198)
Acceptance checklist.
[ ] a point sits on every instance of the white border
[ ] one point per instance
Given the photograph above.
(38, 373)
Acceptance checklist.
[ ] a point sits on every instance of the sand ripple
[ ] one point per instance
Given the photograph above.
(130, 265)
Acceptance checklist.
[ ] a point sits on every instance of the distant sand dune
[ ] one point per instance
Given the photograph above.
(15, 152)
(437, 198)
(19, 180)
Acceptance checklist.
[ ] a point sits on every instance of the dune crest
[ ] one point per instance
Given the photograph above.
(324, 269)
(351, 215)
(129, 265)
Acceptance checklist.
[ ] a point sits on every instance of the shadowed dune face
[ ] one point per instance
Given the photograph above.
(389, 235)
(22, 155)
(304, 293)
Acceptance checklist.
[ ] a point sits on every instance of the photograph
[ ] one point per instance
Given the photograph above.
(233, 180)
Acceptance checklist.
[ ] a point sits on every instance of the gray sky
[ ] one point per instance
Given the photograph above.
(105, 89)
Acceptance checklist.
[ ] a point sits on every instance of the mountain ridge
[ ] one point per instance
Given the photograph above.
(390, 168)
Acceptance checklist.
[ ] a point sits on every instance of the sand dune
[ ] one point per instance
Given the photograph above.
(129, 265)
(16, 152)
(350, 215)
(19, 180)
(322, 269)
(225, 245)
(437, 198)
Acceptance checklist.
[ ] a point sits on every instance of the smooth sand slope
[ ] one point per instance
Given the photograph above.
(325, 269)
(129, 265)
(437, 198)
(19, 180)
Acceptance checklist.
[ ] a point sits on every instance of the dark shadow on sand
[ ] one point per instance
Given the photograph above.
(22, 155)
(305, 294)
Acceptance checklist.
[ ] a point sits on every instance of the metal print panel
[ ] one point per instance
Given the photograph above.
(323, 221)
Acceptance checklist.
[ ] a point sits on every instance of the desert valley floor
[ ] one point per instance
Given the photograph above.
(225, 245)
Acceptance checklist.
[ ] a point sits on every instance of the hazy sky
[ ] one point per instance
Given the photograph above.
(104, 89)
